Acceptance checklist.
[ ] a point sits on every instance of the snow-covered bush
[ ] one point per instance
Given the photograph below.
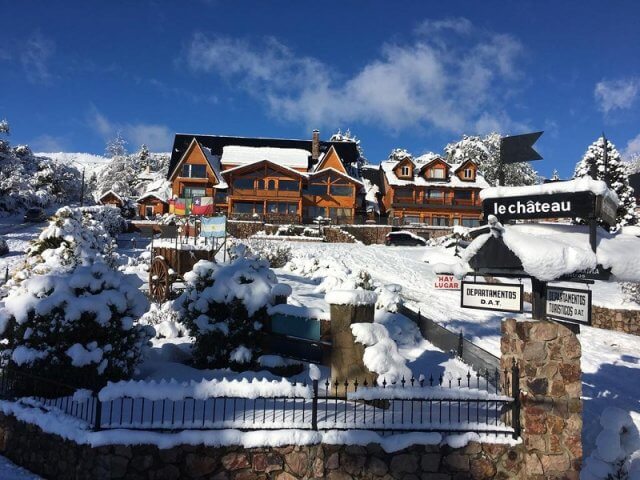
(165, 319)
(617, 452)
(109, 216)
(631, 291)
(72, 238)
(76, 326)
(276, 253)
(224, 307)
(389, 297)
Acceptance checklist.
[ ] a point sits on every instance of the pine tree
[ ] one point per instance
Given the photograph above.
(615, 174)
(485, 152)
(143, 156)
(398, 154)
(116, 147)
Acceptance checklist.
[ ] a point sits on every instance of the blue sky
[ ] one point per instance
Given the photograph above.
(405, 74)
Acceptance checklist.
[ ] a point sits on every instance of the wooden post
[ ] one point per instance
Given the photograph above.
(538, 299)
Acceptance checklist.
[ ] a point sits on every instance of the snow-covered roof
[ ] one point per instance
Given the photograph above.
(288, 157)
(342, 174)
(111, 192)
(419, 180)
(549, 250)
(214, 163)
(160, 189)
(284, 167)
(582, 184)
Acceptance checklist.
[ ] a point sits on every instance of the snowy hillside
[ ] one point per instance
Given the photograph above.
(91, 162)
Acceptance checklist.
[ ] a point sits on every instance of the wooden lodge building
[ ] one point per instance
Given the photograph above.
(428, 190)
(276, 180)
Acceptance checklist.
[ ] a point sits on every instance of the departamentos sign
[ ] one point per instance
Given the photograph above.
(502, 297)
(569, 304)
(558, 205)
(446, 282)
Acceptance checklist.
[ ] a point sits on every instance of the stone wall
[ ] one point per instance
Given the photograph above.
(548, 354)
(375, 234)
(53, 457)
(625, 321)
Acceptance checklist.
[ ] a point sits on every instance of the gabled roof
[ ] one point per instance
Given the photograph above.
(348, 151)
(459, 167)
(252, 166)
(111, 192)
(212, 160)
(388, 167)
(290, 157)
(333, 170)
(432, 161)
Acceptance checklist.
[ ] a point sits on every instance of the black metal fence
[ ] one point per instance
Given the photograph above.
(472, 403)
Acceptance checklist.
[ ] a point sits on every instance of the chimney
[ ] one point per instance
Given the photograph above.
(315, 146)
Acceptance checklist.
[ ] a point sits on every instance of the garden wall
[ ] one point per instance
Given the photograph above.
(53, 457)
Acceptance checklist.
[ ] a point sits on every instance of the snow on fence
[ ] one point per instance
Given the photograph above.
(471, 404)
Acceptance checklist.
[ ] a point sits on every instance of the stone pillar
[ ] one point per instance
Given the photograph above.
(548, 355)
(348, 307)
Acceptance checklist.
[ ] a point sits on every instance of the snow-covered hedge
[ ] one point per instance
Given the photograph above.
(224, 307)
(109, 216)
(276, 253)
(76, 326)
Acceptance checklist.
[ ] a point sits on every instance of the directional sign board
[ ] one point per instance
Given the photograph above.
(598, 273)
(501, 297)
(446, 282)
(569, 304)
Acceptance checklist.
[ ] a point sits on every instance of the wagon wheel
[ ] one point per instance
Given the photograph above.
(159, 280)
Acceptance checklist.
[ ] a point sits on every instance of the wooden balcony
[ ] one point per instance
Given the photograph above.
(254, 193)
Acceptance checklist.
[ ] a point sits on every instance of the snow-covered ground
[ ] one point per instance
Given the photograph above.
(17, 235)
(10, 471)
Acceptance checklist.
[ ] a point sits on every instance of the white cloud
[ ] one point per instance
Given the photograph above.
(157, 137)
(633, 148)
(48, 143)
(450, 76)
(35, 56)
(616, 94)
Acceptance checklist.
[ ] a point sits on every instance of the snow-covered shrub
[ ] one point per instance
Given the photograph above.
(109, 216)
(381, 353)
(76, 326)
(617, 452)
(4, 248)
(165, 319)
(276, 253)
(389, 298)
(72, 238)
(224, 307)
(631, 291)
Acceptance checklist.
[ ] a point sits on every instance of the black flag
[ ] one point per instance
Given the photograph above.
(519, 148)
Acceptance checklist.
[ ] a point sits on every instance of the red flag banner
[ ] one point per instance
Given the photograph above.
(202, 206)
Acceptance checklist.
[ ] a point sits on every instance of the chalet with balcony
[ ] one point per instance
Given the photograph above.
(276, 180)
(431, 191)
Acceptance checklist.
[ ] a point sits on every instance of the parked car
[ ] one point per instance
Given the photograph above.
(4, 248)
(404, 238)
(35, 214)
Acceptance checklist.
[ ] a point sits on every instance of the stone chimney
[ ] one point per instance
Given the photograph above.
(315, 147)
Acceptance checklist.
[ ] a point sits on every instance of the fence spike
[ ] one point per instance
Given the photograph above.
(440, 380)
(431, 380)
(412, 380)
(355, 385)
(365, 382)
(384, 382)
(402, 382)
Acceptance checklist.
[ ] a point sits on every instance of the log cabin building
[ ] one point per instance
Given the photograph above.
(428, 190)
(276, 180)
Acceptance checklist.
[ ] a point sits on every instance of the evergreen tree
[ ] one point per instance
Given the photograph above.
(143, 156)
(116, 147)
(614, 173)
(398, 154)
(485, 152)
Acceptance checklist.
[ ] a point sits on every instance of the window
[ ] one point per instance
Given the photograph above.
(243, 207)
(406, 171)
(271, 185)
(288, 185)
(456, 221)
(243, 183)
(317, 189)
(341, 190)
(340, 212)
(314, 212)
(282, 208)
(221, 197)
(433, 195)
(470, 222)
(436, 173)
(440, 221)
(260, 184)
(462, 194)
(403, 195)
(194, 171)
(411, 219)
(468, 173)
(191, 192)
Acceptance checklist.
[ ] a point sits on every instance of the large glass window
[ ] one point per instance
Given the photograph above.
(260, 184)
(243, 183)
(411, 219)
(470, 222)
(191, 192)
(243, 207)
(194, 171)
(462, 194)
(271, 185)
(221, 197)
(440, 221)
(434, 195)
(282, 208)
(404, 195)
(317, 189)
(341, 190)
(288, 185)
(314, 212)
(340, 212)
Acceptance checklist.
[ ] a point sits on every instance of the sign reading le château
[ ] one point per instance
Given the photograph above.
(558, 205)
(502, 297)
(446, 282)
(569, 304)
